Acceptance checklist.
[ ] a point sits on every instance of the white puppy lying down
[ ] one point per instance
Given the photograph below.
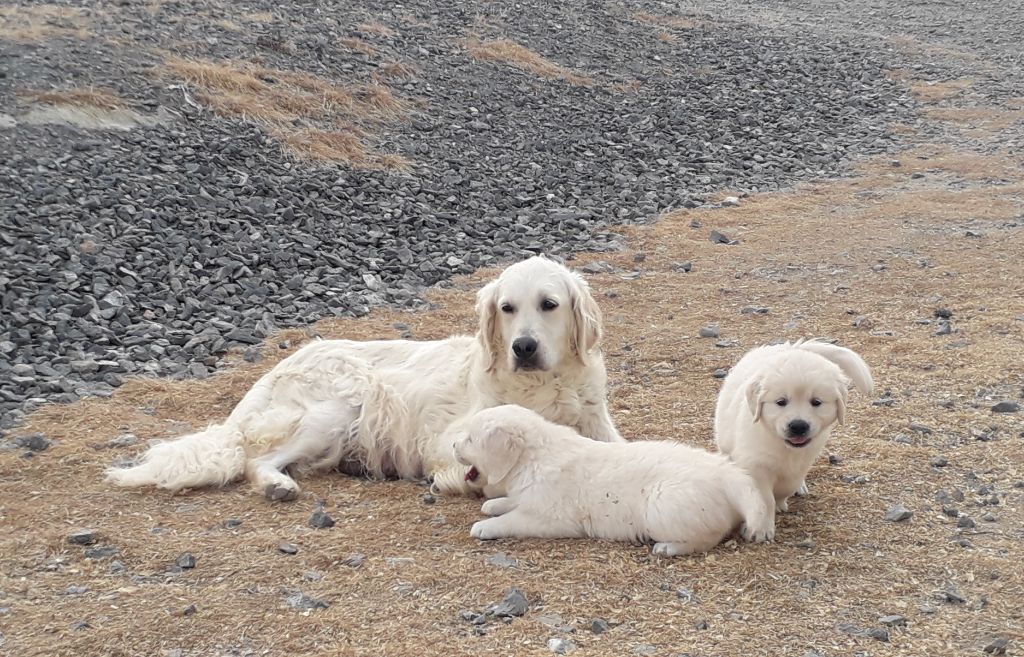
(777, 408)
(558, 484)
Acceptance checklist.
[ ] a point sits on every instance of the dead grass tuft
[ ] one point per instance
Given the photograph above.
(674, 22)
(931, 92)
(333, 146)
(40, 22)
(395, 70)
(258, 17)
(77, 97)
(376, 28)
(281, 99)
(358, 45)
(980, 118)
(521, 57)
(666, 37)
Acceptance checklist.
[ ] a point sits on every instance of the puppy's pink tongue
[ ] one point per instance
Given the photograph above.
(472, 474)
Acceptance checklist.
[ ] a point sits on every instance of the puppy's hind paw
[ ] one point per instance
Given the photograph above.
(280, 493)
(669, 549)
(803, 490)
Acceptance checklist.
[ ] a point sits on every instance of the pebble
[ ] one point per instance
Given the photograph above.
(730, 202)
(898, 513)
(102, 552)
(1006, 407)
(83, 537)
(299, 600)
(287, 548)
(599, 626)
(189, 610)
(186, 561)
(502, 560)
(513, 604)
(720, 238)
(709, 331)
(997, 646)
(939, 461)
(354, 560)
(560, 646)
(320, 520)
(892, 620)
(965, 522)
(399, 561)
(35, 442)
(720, 373)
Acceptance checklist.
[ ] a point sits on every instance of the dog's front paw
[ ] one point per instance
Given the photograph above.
(482, 530)
(280, 492)
(803, 490)
(763, 532)
(782, 506)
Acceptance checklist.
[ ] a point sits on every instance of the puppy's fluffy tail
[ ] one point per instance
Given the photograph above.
(212, 457)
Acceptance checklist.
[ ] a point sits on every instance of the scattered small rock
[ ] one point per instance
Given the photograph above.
(892, 620)
(502, 560)
(943, 313)
(834, 459)
(922, 429)
(190, 610)
(35, 442)
(513, 604)
(560, 646)
(82, 537)
(898, 513)
(998, 646)
(299, 600)
(1006, 407)
(686, 595)
(599, 626)
(943, 327)
(428, 499)
(951, 595)
(709, 331)
(102, 552)
(474, 617)
(720, 373)
(231, 523)
(78, 626)
(754, 310)
(320, 520)
(287, 548)
(939, 461)
(877, 633)
(353, 560)
(684, 267)
(399, 561)
(644, 649)
(721, 238)
(730, 202)
(186, 561)
(965, 522)
(598, 267)
(75, 590)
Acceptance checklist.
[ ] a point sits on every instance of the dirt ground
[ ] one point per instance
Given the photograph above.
(867, 260)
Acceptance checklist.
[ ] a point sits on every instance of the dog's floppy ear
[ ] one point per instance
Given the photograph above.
(586, 317)
(487, 312)
(500, 448)
(755, 397)
(841, 394)
(848, 361)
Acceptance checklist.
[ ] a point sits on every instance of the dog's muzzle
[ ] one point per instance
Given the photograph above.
(798, 433)
(526, 351)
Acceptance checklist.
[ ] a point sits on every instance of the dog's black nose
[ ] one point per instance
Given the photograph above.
(524, 348)
(798, 428)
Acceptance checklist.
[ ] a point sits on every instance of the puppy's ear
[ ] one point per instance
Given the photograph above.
(851, 364)
(500, 450)
(841, 394)
(586, 318)
(755, 397)
(487, 313)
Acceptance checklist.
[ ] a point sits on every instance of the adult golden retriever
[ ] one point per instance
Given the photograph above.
(396, 408)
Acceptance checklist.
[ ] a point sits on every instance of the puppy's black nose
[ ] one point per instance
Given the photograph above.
(798, 428)
(524, 348)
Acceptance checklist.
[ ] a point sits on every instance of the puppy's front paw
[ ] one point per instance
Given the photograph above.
(763, 532)
(782, 506)
(803, 490)
(483, 531)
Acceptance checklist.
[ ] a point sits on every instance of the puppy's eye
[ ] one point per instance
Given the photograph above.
(815, 402)
(507, 308)
(781, 402)
(548, 304)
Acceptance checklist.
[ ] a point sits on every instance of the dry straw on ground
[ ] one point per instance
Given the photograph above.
(76, 97)
(519, 56)
(343, 115)
(35, 23)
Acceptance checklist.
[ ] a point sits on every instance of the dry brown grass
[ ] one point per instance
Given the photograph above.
(666, 37)
(280, 99)
(813, 256)
(358, 45)
(986, 119)
(673, 22)
(77, 97)
(32, 24)
(258, 17)
(519, 56)
(932, 92)
(376, 28)
(395, 70)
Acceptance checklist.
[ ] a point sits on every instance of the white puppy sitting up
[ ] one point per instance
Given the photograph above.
(557, 484)
(777, 408)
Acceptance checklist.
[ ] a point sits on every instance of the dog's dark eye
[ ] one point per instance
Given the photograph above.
(781, 402)
(815, 402)
(549, 304)
(507, 308)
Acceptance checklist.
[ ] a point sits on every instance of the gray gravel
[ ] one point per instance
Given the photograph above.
(156, 250)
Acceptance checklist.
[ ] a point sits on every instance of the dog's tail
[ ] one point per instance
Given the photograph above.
(212, 457)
